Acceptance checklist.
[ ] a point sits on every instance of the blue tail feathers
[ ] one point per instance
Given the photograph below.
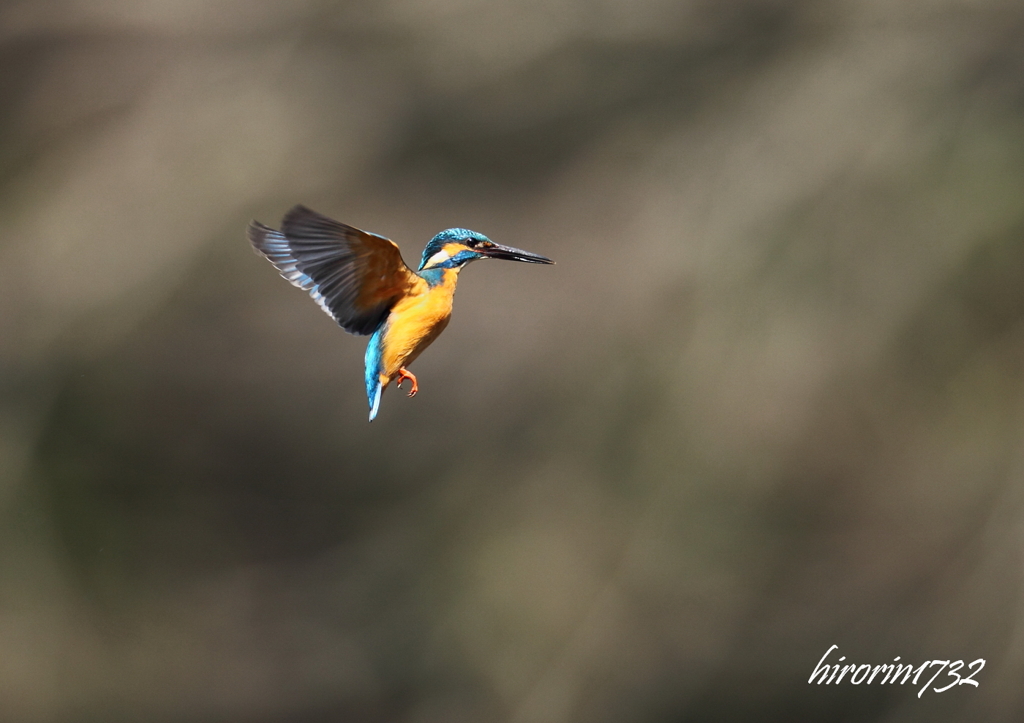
(374, 389)
(375, 401)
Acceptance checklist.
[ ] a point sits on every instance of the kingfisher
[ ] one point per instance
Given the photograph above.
(361, 281)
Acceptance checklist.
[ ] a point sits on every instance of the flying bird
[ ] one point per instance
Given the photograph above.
(361, 281)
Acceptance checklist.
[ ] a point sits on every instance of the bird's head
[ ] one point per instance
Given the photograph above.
(456, 247)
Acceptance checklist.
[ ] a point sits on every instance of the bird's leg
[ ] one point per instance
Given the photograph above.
(404, 374)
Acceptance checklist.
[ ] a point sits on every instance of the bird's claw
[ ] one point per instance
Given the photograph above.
(404, 374)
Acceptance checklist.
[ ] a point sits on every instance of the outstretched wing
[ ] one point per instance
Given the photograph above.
(355, 276)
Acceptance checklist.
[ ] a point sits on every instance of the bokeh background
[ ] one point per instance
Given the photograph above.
(770, 399)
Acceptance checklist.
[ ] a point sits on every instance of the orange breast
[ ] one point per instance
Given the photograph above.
(415, 321)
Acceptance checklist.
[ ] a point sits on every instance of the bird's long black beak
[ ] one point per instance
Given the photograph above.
(497, 251)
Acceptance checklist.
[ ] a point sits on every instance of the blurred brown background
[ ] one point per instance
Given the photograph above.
(769, 400)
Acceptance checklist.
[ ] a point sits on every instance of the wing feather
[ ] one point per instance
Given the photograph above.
(355, 276)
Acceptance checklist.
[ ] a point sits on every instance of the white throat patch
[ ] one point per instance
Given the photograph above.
(439, 258)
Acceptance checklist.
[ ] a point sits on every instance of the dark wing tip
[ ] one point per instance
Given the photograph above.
(303, 223)
(299, 212)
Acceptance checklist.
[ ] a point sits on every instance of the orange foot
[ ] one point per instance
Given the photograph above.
(404, 374)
